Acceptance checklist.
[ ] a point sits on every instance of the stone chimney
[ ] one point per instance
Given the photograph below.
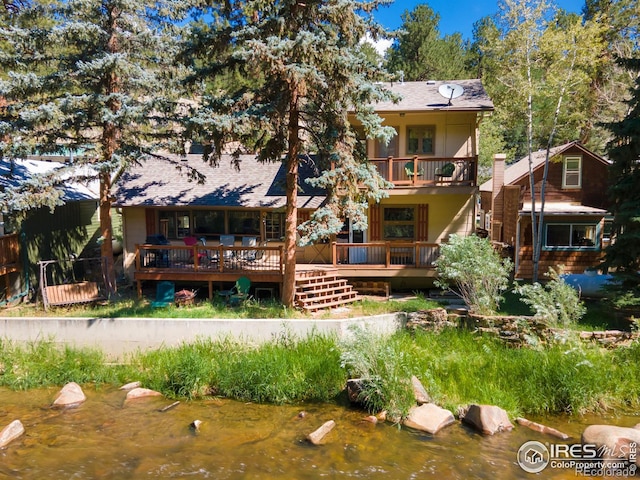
(497, 197)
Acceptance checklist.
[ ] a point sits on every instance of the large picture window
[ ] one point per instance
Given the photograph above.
(176, 223)
(571, 235)
(399, 223)
(388, 150)
(421, 139)
(572, 172)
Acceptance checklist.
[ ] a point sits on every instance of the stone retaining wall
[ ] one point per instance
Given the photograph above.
(514, 330)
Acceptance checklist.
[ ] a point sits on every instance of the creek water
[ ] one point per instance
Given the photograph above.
(108, 438)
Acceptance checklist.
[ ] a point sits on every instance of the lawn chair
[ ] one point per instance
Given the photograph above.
(165, 294)
(192, 241)
(227, 241)
(249, 255)
(410, 170)
(241, 291)
(238, 293)
(445, 172)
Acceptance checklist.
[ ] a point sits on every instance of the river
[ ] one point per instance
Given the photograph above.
(108, 438)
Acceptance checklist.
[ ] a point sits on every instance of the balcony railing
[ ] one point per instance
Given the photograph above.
(209, 259)
(428, 171)
(386, 254)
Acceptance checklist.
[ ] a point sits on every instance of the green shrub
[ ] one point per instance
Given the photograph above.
(476, 270)
(382, 362)
(557, 302)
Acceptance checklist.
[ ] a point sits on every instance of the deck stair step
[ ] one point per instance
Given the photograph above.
(316, 290)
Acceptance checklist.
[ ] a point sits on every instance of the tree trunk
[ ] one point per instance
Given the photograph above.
(110, 140)
(291, 212)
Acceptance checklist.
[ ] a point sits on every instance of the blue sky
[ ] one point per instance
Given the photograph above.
(455, 15)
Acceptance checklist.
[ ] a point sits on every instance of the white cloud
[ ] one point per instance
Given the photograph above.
(381, 45)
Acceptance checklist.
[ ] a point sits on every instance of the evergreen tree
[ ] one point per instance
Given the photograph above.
(94, 79)
(310, 72)
(624, 151)
(421, 54)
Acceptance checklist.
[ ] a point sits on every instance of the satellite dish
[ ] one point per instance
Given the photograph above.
(450, 91)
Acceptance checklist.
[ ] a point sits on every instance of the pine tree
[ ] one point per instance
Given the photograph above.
(420, 53)
(309, 73)
(94, 78)
(624, 152)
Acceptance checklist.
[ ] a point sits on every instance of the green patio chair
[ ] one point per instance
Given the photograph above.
(409, 169)
(165, 294)
(240, 292)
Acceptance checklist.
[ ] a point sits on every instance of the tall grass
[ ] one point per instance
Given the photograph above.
(455, 366)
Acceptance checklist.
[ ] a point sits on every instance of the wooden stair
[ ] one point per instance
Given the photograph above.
(318, 289)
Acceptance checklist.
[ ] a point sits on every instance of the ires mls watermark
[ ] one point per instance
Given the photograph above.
(586, 460)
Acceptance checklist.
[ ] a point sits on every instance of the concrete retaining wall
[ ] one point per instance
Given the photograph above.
(120, 336)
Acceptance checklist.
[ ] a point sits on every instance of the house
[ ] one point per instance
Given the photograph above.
(575, 220)
(70, 230)
(431, 162)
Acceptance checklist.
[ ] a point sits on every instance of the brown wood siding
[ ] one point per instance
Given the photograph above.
(423, 223)
(573, 261)
(594, 182)
(303, 216)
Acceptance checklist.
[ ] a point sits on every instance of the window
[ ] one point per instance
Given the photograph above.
(399, 223)
(244, 222)
(388, 150)
(572, 172)
(274, 225)
(571, 235)
(177, 224)
(420, 139)
(209, 222)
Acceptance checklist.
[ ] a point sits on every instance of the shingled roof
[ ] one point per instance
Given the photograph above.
(156, 182)
(424, 96)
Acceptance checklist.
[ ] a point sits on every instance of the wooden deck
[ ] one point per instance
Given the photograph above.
(222, 264)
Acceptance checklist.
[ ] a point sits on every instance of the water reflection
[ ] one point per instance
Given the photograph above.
(106, 438)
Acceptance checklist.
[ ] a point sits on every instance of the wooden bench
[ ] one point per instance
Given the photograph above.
(68, 294)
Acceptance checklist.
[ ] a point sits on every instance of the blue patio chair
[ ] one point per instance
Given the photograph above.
(249, 255)
(165, 294)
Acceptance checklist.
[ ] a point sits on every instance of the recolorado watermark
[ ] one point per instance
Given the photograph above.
(586, 460)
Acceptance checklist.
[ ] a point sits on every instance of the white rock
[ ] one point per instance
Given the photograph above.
(429, 418)
(317, 436)
(12, 431)
(487, 419)
(70, 396)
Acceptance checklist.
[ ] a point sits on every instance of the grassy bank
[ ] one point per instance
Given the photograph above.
(456, 367)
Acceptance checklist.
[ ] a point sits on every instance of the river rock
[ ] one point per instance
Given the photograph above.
(614, 441)
(317, 436)
(419, 391)
(141, 393)
(429, 418)
(71, 395)
(538, 427)
(11, 432)
(354, 389)
(130, 386)
(487, 419)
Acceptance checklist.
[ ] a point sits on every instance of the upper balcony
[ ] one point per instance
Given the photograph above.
(428, 171)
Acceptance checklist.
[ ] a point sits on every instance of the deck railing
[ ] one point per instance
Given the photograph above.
(428, 171)
(209, 258)
(386, 254)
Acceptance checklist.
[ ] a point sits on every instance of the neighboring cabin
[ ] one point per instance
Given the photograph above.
(70, 230)
(574, 232)
(432, 163)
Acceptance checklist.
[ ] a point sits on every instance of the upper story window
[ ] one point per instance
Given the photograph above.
(571, 172)
(421, 139)
(388, 150)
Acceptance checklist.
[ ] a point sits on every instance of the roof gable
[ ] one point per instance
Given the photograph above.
(520, 169)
